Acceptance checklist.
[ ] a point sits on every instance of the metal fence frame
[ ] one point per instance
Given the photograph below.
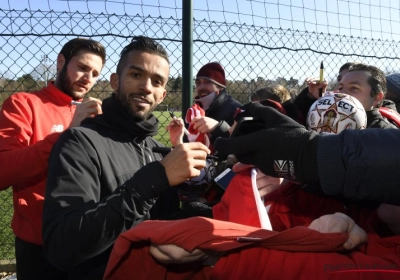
(253, 57)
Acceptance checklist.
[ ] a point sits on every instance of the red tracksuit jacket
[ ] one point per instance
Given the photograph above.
(293, 253)
(30, 124)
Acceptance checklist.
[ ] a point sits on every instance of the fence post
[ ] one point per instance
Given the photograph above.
(187, 55)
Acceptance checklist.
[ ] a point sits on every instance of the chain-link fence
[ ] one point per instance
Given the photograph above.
(274, 48)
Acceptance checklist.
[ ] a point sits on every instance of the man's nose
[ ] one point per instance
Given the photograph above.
(146, 86)
(88, 77)
(199, 87)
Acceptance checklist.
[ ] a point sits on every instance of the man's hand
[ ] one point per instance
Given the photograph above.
(267, 184)
(341, 223)
(173, 254)
(314, 86)
(184, 162)
(88, 109)
(390, 215)
(204, 124)
(176, 131)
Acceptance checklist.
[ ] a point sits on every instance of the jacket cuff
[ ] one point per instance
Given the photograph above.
(331, 169)
(221, 130)
(151, 180)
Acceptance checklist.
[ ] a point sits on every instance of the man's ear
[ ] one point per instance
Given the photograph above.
(162, 99)
(378, 99)
(114, 81)
(60, 62)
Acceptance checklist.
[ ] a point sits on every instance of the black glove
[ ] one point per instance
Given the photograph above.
(283, 148)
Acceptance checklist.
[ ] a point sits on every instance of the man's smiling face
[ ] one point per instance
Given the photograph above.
(141, 85)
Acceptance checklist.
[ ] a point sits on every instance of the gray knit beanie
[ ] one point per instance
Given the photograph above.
(393, 83)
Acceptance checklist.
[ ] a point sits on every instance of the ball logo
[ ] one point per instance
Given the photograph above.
(335, 112)
(345, 106)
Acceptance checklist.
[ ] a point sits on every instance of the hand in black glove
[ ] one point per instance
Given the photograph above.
(283, 149)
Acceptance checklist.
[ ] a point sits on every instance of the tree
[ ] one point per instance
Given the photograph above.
(45, 71)
(26, 82)
(177, 85)
(282, 81)
(293, 83)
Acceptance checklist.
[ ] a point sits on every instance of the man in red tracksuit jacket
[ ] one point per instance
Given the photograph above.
(30, 123)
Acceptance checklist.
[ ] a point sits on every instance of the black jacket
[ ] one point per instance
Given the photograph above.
(103, 179)
(376, 120)
(361, 164)
(223, 110)
(303, 103)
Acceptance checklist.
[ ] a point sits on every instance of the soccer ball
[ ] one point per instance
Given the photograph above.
(335, 112)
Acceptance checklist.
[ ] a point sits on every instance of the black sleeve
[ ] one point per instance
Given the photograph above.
(361, 164)
(222, 130)
(303, 103)
(79, 221)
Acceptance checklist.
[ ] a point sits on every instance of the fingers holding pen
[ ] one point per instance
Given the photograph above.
(176, 130)
(94, 104)
(88, 108)
(184, 162)
(315, 86)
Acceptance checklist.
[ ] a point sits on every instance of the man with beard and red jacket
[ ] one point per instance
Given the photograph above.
(30, 124)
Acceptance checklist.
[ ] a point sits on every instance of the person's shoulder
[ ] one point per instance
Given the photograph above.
(22, 99)
(22, 95)
(81, 134)
(388, 104)
(231, 100)
(376, 120)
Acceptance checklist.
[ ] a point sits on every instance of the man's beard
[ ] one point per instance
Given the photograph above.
(64, 83)
(125, 100)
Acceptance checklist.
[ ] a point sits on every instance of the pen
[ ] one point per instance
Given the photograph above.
(73, 102)
(321, 76)
(166, 150)
(175, 119)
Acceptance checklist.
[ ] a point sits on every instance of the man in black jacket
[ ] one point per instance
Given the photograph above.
(103, 176)
(219, 106)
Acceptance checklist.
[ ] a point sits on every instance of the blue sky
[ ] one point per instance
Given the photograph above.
(350, 18)
(363, 18)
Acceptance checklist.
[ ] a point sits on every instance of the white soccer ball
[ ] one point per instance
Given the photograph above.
(335, 112)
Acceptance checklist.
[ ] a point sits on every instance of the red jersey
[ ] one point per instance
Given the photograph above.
(30, 123)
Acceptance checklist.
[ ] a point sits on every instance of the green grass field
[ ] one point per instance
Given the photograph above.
(6, 234)
(164, 119)
(6, 207)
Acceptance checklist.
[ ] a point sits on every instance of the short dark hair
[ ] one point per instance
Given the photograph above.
(72, 47)
(144, 44)
(346, 66)
(377, 80)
